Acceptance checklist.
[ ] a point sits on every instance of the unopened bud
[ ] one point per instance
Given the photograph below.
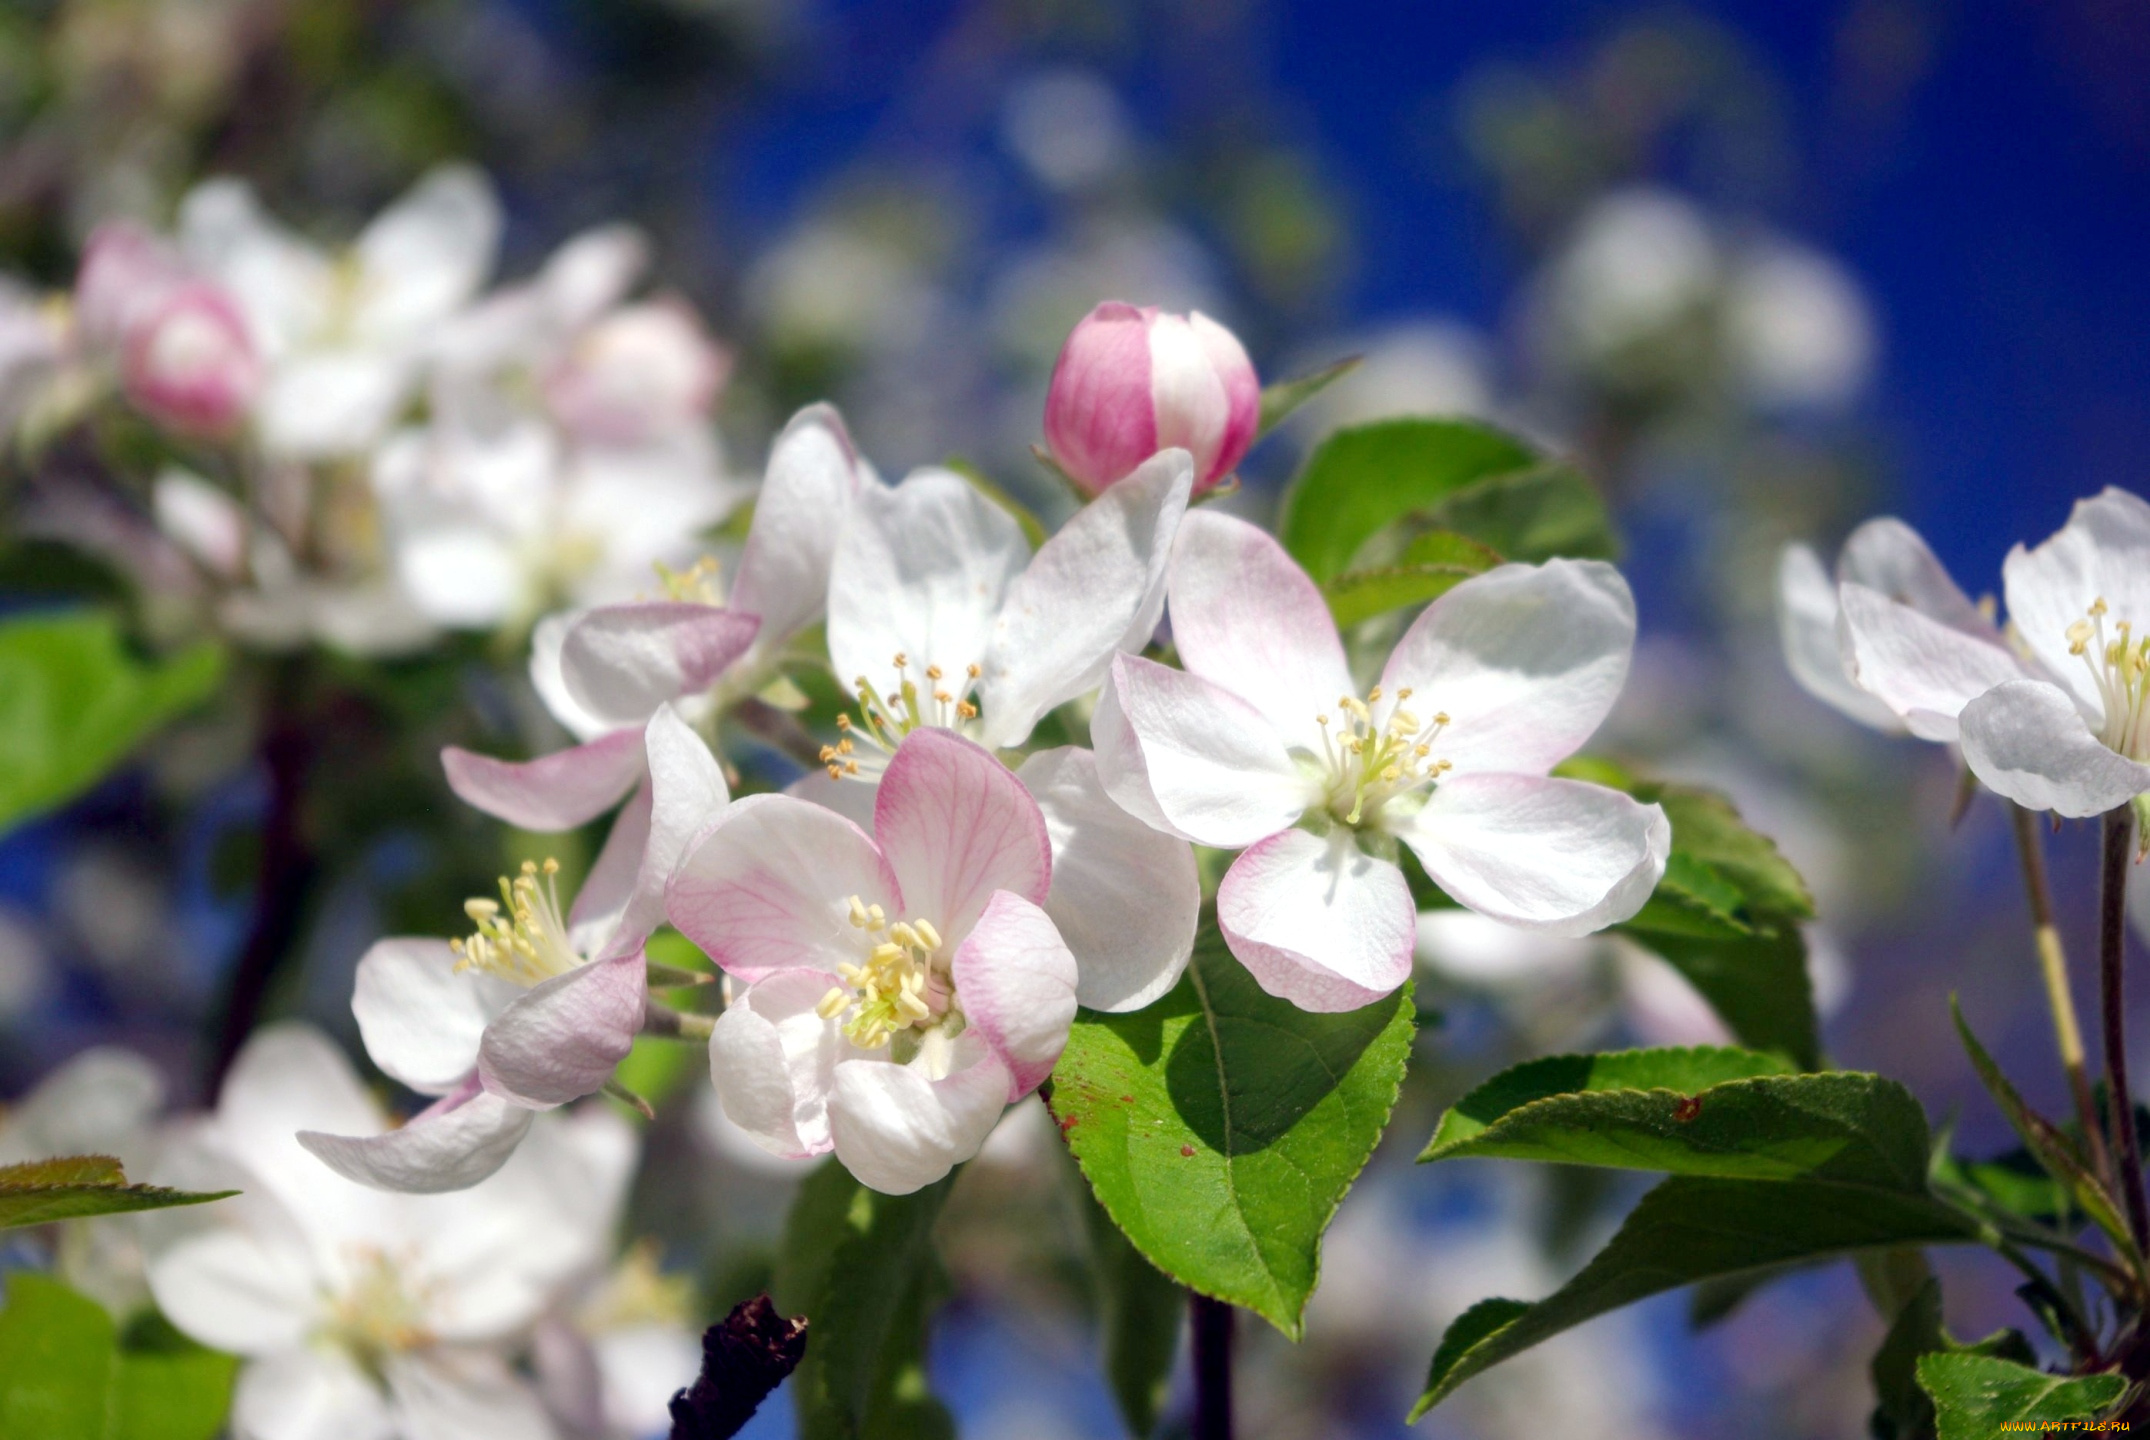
(1132, 381)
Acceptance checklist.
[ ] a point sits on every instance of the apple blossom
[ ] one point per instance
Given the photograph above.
(394, 1317)
(611, 1357)
(1261, 744)
(181, 345)
(902, 988)
(538, 1005)
(934, 590)
(1132, 381)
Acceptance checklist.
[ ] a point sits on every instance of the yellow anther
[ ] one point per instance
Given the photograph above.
(933, 672)
(834, 1003)
(973, 671)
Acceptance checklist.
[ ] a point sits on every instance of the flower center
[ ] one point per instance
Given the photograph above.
(521, 936)
(377, 1315)
(638, 1292)
(903, 985)
(698, 584)
(1378, 753)
(885, 719)
(2120, 667)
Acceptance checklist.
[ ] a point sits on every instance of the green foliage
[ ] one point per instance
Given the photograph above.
(65, 1375)
(1282, 398)
(74, 1187)
(1408, 477)
(1139, 1313)
(1757, 984)
(861, 1267)
(1221, 1126)
(1975, 1396)
(74, 703)
(1431, 566)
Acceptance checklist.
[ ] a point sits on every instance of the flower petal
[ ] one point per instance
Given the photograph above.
(898, 1131)
(765, 888)
(249, 1291)
(1095, 587)
(1923, 670)
(920, 571)
(308, 1393)
(606, 890)
(1525, 659)
(1558, 856)
(955, 825)
(1125, 896)
(554, 792)
(772, 1060)
(1246, 618)
(457, 1394)
(420, 1019)
(1016, 982)
(547, 637)
(687, 795)
(2027, 740)
(1191, 757)
(1317, 921)
(1887, 555)
(851, 797)
(290, 1077)
(814, 473)
(2102, 553)
(1807, 625)
(560, 1040)
(451, 1145)
(426, 254)
(620, 662)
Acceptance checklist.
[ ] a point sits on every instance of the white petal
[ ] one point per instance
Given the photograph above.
(561, 1039)
(331, 404)
(1317, 921)
(1806, 625)
(850, 797)
(606, 891)
(452, 1145)
(1557, 856)
(427, 254)
(1887, 555)
(287, 1078)
(443, 1394)
(462, 575)
(546, 640)
(2027, 740)
(1192, 757)
(898, 1131)
(1526, 660)
(419, 1018)
(920, 571)
(1246, 618)
(1125, 896)
(814, 472)
(955, 826)
(644, 1366)
(1923, 670)
(1095, 587)
(99, 1102)
(687, 795)
(252, 1292)
(772, 1060)
(309, 1394)
(1474, 949)
(2102, 553)
(621, 662)
(1015, 980)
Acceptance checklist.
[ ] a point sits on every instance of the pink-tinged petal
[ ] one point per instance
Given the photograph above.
(1015, 981)
(1923, 670)
(851, 797)
(420, 1019)
(814, 473)
(1100, 420)
(2027, 740)
(767, 888)
(1095, 587)
(451, 1145)
(2102, 553)
(621, 662)
(955, 826)
(1807, 628)
(898, 1130)
(688, 794)
(1317, 921)
(1525, 660)
(547, 638)
(1557, 856)
(1193, 758)
(772, 1060)
(1187, 394)
(610, 885)
(1242, 394)
(1887, 555)
(560, 1040)
(1247, 618)
(554, 792)
(1125, 896)
(920, 572)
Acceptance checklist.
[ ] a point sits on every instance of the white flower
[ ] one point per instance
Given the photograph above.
(1262, 742)
(904, 987)
(363, 1314)
(609, 1361)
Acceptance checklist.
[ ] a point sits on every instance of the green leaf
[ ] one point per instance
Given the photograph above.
(861, 1267)
(65, 1376)
(74, 704)
(1693, 1228)
(1221, 1126)
(1757, 984)
(1365, 478)
(1139, 1312)
(1284, 396)
(1976, 1396)
(1533, 515)
(1719, 864)
(1431, 567)
(39, 1192)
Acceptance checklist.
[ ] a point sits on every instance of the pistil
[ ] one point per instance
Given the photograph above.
(903, 985)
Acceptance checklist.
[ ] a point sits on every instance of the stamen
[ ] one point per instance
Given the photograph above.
(522, 936)
(904, 982)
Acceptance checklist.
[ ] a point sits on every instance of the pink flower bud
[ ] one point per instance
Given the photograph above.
(125, 270)
(637, 373)
(1133, 381)
(189, 362)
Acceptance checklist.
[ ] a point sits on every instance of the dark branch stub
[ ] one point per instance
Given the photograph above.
(744, 1357)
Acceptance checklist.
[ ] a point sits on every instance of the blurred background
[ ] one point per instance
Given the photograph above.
(1767, 269)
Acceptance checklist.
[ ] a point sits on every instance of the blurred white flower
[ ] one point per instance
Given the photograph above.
(609, 1361)
(25, 965)
(1799, 329)
(1068, 126)
(1640, 262)
(1420, 367)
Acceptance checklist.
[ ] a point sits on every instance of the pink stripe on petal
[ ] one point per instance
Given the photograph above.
(956, 825)
(553, 792)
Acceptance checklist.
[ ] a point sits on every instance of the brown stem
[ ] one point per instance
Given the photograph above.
(2060, 999)
(1211, 1322)
(2112, 947)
